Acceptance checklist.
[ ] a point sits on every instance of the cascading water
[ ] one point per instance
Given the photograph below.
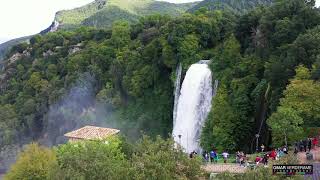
(193, 107)
(177, 92)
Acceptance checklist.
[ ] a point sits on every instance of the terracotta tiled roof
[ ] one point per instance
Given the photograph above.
(92, 132)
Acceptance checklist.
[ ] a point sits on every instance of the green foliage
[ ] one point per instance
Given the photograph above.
(285, 125)
(92, 160)
(102, 13)
(301, 94)
(8, 124)
(298, 108)
(218, 130)
(257, 65)
(35, 162)
(239, 7)
(158, 159)
(110, 158)
(254, 56)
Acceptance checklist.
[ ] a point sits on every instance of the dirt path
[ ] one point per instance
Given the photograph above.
(218, 168)
(303, 159)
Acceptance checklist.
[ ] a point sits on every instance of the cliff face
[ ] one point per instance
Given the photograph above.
(53, 27)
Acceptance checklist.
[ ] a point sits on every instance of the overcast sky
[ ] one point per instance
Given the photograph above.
(26, 17)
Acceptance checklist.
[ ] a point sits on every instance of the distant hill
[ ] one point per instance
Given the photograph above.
(236, 6)
(5, 47)
(102, 13)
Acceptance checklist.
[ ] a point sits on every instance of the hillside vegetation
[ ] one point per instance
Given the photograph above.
(102, 13)
(236, 6)
(267, 62)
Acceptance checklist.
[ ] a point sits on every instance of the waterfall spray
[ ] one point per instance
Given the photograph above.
(177, 92)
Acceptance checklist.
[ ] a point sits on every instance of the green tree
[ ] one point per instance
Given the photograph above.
(93, 160)
(8, 124)
(218, 129)
(34, 162)
(120, 34)
(158, 159)
(188, 49)
(286, 126)
(301, 95)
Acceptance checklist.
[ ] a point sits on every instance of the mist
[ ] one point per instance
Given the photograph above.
(77, 108)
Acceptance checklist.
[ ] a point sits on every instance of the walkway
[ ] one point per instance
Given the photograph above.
(316, 163)
(303, 158)
(219, 168)
(316, 172)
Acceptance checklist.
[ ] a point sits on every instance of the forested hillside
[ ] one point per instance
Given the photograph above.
(5, 47)
(266, 61)
(102, 13)
(236, 6)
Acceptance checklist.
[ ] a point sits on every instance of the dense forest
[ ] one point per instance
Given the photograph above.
(266, 61)
(102, 13)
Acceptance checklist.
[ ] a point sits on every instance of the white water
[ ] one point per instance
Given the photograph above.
(193, 107)
(177, 92)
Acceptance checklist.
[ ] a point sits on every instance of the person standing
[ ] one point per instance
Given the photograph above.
(238, 157)
(262, 148)
(315, 142)
(273, 154)
(285, 150)
(212, 155)
(225, 155)
(305, 143)
(206, 156)
(309, 144)
(265, 159)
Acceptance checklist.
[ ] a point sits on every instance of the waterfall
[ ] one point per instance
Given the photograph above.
(193, 107)
(177, 92)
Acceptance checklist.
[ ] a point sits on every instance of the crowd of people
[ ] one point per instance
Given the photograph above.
(241, 158)
(213, 156)
(306, 145)
(274, 154)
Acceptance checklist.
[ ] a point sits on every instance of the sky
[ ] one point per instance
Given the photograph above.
(26, 17)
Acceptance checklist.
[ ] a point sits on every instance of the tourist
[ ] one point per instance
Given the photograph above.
(295, 150)
(285, 150)
(314, 142)
(242, 159)
(265, 159)
(238, 157)
(258, 160)
(262, 148)
(273, 154)
(206, 156)
(305, 143)
(281, 152)
(212, 155)
(216, 158)
(193, 154)
(301, 145)
(225, 155)
(309, 144)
